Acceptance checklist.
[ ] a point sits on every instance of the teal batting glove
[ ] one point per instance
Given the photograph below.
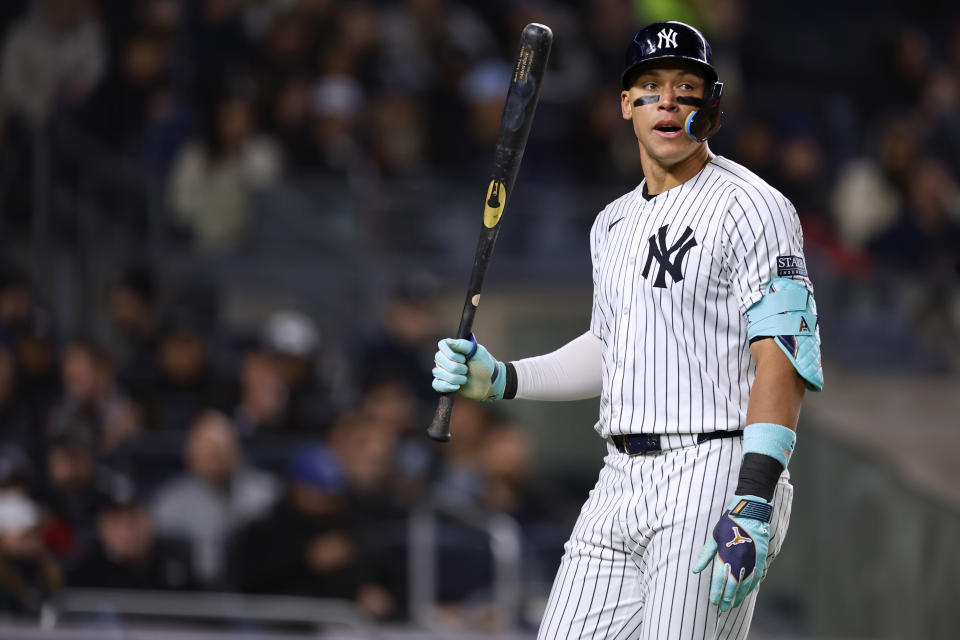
(467, 369)
(738, 550)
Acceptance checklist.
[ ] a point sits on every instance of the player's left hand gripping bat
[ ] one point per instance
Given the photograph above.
(515, 124)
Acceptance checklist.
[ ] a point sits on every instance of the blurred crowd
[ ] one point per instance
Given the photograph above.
(173, 452)
(217, 98)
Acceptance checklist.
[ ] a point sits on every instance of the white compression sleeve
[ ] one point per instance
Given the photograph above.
(572, 372)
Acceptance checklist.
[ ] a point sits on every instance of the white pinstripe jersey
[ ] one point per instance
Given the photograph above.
(672, 279)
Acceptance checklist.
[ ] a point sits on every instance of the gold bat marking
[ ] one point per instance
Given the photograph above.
(493, 205)
(524, 63)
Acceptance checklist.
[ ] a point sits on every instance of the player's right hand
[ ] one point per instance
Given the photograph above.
(467, 369)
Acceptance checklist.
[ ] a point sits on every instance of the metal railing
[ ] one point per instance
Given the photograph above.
(505, 541)
(24, 632)
(196, 607)
(502, 533)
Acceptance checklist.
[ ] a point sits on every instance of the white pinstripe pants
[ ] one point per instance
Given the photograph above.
(626, 569)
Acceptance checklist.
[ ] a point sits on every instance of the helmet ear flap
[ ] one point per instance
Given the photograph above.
(704, 122)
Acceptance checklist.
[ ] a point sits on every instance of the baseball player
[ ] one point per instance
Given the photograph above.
(703, 338)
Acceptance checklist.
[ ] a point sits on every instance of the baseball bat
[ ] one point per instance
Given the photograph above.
(515, 125)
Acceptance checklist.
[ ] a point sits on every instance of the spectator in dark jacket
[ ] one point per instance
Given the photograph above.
(90, 395)
(128, 554)
(187, 382)
(308, 545)
(133, 330)
(74, 487)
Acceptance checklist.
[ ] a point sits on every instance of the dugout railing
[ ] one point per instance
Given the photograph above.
(437, 553)
(121, 608)
(433, 542)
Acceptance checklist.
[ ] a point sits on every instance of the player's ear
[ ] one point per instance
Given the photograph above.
(626, 106)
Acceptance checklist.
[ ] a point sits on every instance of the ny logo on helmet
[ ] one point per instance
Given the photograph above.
(666, 38)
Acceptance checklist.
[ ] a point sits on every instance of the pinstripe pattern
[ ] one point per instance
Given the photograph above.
(626, 570)
(676, 361)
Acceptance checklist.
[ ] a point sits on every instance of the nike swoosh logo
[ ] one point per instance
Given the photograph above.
(612, 224)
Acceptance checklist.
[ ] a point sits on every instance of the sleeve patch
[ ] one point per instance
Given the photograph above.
(791, 266)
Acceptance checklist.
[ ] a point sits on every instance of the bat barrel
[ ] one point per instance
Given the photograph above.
(538, 36)
(522, 97)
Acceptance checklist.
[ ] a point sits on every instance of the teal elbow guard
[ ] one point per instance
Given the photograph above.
(787, 313)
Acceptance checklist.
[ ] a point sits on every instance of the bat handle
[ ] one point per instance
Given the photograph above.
(439, 429)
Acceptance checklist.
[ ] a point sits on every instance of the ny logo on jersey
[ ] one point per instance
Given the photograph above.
(660, 251)
(666, 38)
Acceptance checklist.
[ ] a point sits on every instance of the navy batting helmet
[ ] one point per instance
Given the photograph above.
(671, 40)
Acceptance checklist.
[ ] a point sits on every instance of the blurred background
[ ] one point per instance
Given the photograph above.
(233, 230)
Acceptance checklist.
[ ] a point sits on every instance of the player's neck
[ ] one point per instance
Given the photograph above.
(661, 177)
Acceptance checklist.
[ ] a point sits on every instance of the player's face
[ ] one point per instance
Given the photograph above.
(659, 124)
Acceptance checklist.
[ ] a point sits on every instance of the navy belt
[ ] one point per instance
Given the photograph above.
(636, 443)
